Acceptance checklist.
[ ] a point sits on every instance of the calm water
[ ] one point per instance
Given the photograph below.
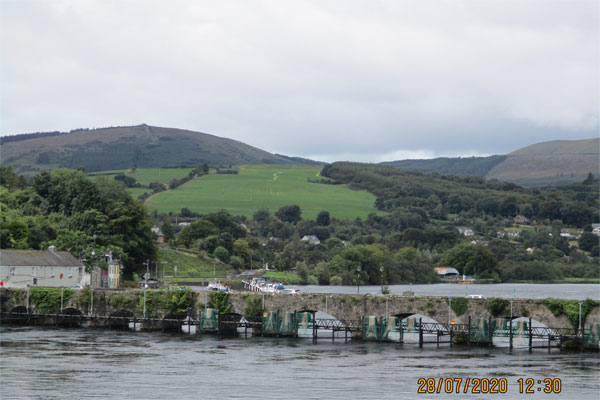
(506, 290)
(44, 363)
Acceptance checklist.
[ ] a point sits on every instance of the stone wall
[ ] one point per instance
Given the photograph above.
(340, 306)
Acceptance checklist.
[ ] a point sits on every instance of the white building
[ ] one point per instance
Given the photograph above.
(312, 239)
(49, 268)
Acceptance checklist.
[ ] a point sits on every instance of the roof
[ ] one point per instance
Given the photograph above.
(446, 271)
(38, 258)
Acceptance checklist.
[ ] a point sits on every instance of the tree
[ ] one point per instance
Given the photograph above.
(471, 260)
(289, 214)
(587, 241)
(323, 218)
(242, 250)
(198, 229)
(222, 254)
(590, 179)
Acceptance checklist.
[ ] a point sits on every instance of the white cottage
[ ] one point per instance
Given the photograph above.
(50, 268)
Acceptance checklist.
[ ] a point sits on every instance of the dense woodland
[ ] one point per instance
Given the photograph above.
(86, 217)
(416, 231)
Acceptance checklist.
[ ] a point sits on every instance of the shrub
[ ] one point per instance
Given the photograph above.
(220, 302)
(177, 301)
(253, 308)
(497, 306)
(47, 300)
(459, 305)
(571, 309)
(335, 280)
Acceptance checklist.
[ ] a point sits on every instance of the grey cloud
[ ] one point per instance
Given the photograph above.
(309, 78)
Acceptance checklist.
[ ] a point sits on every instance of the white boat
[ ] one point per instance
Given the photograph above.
(217, 286)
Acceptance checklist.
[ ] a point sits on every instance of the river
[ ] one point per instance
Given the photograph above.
(49, 363)
(575, 291)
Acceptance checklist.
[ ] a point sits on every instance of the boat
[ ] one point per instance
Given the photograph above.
(217, 286)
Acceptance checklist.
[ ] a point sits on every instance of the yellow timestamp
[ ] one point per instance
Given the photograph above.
(487, 385)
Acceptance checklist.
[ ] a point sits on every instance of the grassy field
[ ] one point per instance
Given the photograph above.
(266, 186)
(190, 266)
(145, 176)
(283, 277)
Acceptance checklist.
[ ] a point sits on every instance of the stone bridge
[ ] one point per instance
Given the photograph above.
(340, 306)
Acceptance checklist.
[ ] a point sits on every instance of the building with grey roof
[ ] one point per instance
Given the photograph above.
(48, 268)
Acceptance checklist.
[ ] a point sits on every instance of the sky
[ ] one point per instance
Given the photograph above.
(329, 80)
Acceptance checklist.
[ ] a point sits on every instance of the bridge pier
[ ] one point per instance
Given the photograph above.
(530, 336)
(421, 332)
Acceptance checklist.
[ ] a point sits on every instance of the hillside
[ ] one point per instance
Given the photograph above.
(547, 163)
(123, 147)
(555, 162)
(560, 147)
(265, 186)
(462, 166)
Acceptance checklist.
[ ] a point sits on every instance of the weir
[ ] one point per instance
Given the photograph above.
(398, 319)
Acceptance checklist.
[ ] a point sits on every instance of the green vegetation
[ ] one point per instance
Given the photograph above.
(468, 166)
(165, 301)
(189, 265)
(283, 277)
(124, 147)
(570, 308)
(122, 302)
(47, 300)
(145, 176)
(497, 306)
(266, 186)
(253, 308)
(220, 301)
(459, 305)
(86, 217)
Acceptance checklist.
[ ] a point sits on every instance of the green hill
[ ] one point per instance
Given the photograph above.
(560, 147)
(265, 186)
(462, 166)
(123, 147)
(548, 163)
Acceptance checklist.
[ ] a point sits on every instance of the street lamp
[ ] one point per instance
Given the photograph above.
(381, 270)
(358, 280)
(579, 330)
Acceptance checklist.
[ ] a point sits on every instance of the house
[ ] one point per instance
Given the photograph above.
(49, 268)
(466, 231)
(500, 234)
(161, 237)
(596, 231)
(312, 239)
(513, 234)
(521, 219)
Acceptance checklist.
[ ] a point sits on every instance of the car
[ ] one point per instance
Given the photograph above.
(475, 296)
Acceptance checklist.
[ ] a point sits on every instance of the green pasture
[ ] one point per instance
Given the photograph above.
(145, 176)
(190, 265)
(266, 186)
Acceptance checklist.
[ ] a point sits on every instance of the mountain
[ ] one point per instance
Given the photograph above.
(124, 147)
(554, 162)
(547, 163)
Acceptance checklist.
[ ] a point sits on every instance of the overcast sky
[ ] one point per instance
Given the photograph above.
(329, 80)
